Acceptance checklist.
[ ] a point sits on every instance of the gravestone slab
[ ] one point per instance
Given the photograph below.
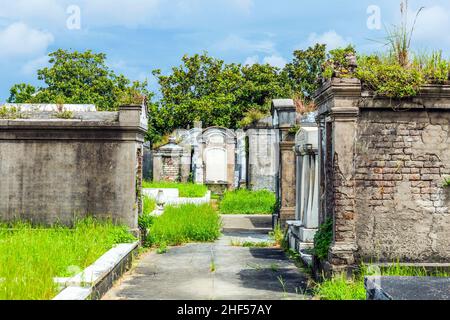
(407, 288)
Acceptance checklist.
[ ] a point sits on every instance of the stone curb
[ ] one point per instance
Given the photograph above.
(98, 278)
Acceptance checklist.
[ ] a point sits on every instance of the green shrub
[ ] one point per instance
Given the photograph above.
(434, 67)
(65, 114)
(387, 78)
(337, 64)
(187, 190)
(248, 202)
(30, 257)
(11, 113)
(251, 117)
(323, 239)
(184, 224)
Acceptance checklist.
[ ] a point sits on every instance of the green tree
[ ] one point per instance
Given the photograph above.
(304, 72)
(21, 93)
(207, 89)
(80, 77)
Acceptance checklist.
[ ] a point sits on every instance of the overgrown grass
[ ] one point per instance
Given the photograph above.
(149, 205)
(30, 257)
(187, 190)
(278, 235)
(184, 224)
(341, 288)
(251, 244)
(146, 219)
(248, 202)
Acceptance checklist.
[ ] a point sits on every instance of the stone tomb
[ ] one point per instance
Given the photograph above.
(55, 170)
(306, 220)
(217, 150)
(171, 163)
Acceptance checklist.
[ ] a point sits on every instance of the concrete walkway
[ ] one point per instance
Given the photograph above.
(185, 273)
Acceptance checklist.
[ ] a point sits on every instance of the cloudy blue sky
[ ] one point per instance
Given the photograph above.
(141, 35)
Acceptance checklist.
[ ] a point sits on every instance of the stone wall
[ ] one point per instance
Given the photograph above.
(383, 163)
(54, 170)
(171, 162)
(402, 160)
(263, 158)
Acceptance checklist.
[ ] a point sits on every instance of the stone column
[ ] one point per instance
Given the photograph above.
(287, 181)
(241, 166)
(338, 102)
(308, 186)
(344, 243)
(284, 116)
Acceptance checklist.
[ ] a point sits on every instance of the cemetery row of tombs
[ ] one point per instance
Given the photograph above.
(375, 167)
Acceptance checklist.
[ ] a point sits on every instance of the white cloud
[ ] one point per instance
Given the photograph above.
(331, 38)
(118, 13)
(31, 67)
(42, 12)
(432, 25)
(276, 61)
(237, 43)
(251, 60)
(18, 39)
(243, 5)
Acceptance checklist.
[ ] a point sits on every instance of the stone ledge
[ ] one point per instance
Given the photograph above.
(99, 277)
(407, 288)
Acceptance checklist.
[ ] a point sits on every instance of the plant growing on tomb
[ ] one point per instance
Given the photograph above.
(323, 239)
(434, 67)
(66, 114)
(446, 183)
(387, 78)
(338, 63)
(399, 36)
(11, 113)
(294, 129)
(251, 117)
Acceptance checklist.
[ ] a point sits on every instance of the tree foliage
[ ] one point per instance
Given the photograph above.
(80, 77)
(305, 70)
(207, 89)
(202, 88)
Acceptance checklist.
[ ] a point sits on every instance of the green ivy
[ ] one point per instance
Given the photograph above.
(323, 239)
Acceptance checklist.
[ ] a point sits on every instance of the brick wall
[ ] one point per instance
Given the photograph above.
(401, 161)
(172, 168)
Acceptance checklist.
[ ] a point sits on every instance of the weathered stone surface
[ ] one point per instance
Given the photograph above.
(54, 170)
(382, 173)
(263, 157)
(407, 288)
(411, 220)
